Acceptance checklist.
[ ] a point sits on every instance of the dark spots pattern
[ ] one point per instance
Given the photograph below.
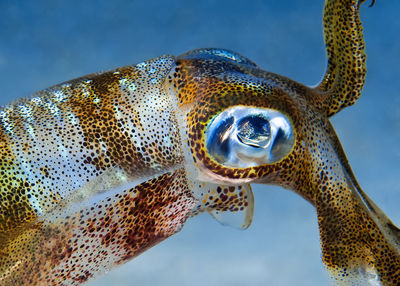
(97, 170)
(352, 239)
(72, 249)
(346, 71)
(73, 143)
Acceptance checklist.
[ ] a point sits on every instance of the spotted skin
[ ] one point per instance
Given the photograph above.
(97, 170)
(345, 47)
(81, 244)
(93, 174)
(360, 244)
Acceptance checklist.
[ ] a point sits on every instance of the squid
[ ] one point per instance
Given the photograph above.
(97, 170)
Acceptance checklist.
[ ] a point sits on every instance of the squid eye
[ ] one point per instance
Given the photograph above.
(244, 137)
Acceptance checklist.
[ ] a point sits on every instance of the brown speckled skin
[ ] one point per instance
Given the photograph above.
(317, 168)
(97, 170)
(89, 177)
(358, 241)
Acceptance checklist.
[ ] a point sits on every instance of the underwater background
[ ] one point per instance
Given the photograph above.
(46, 42)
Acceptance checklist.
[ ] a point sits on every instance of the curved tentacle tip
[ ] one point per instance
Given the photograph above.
(370, 5)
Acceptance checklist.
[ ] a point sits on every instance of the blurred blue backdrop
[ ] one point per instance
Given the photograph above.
(45, 42)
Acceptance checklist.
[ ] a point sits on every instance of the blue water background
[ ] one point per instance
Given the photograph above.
(45, 42)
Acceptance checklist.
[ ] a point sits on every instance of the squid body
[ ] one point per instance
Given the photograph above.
(97, 170)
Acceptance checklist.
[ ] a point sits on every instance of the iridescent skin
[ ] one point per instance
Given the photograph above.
(97, 170)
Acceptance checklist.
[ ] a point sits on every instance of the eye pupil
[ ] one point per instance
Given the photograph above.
(254, 130)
